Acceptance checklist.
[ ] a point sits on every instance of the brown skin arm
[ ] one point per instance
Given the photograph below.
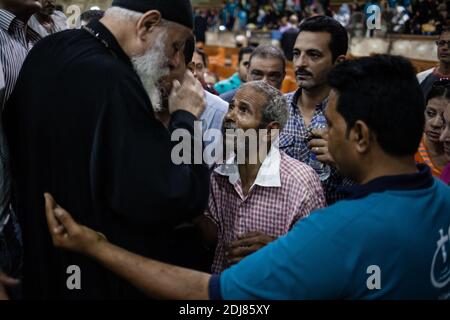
(157, 280)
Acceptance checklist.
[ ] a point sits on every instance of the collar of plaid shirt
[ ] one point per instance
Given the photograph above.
(268, 174)
(293, 99)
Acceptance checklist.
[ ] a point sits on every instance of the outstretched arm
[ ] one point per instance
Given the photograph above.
(157, 280)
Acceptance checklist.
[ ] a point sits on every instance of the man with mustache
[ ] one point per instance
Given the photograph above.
(321, 44)
(87, 132)
(48, 20)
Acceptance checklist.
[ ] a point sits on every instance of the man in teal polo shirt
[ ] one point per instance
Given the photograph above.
(389, 240)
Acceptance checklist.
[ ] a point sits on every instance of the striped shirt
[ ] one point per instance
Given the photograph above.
(422, 156)
(15, 42)
(285, 190)
(16, 39)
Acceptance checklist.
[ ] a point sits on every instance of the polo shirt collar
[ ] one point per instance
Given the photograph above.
(406, 182)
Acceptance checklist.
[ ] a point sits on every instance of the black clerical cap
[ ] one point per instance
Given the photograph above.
(179, 11)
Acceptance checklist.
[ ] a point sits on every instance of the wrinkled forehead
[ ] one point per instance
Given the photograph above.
(267, 64)
(250, 96)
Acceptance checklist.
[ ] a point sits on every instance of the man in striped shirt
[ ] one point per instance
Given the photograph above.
(16, 39)
(15, 42)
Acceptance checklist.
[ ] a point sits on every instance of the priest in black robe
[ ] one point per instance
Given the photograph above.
(80, 124)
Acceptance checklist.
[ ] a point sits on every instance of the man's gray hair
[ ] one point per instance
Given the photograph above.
(126, 14)
(266, 51)
(276, 107)
(123, 14)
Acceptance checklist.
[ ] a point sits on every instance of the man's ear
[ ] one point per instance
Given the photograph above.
(340, 59)
(360, 136)
(273, 130)
(146, 23)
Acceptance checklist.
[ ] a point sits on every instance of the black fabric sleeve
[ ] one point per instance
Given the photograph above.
(133, 172)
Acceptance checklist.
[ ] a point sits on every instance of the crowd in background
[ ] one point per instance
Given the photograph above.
(421, 17)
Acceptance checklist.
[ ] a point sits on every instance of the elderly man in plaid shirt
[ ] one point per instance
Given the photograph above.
(252, 204)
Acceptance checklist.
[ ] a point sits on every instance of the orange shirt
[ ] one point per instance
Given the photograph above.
(423, 157)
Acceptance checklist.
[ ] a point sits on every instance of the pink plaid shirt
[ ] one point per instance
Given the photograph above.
(285, 190)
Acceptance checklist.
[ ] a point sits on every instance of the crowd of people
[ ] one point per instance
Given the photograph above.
(422, 17)
(309, 191)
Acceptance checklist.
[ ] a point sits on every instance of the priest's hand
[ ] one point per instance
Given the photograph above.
(6, 281)
(188, 96)
(68, 234)
(246, 245)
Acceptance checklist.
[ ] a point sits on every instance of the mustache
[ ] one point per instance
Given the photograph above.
(302, 72)
(228, 125)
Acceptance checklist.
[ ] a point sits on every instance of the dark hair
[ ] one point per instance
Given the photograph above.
(245, 50)
(440, 88)
(92, 15)
(382, 91)
(189, 48)
(339, 38)
(269, 51)
(203, 55)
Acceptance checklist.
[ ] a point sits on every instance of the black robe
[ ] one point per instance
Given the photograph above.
(81, 126)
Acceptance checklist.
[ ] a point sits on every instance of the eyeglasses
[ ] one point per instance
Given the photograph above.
(441, 43)
(442, 82)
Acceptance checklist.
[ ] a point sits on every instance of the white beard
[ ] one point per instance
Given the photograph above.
(152, 66)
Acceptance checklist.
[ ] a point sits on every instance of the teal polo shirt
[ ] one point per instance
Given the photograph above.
(388, 240)
(229, 84)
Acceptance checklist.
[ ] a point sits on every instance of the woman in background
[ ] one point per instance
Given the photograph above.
(431, 150)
